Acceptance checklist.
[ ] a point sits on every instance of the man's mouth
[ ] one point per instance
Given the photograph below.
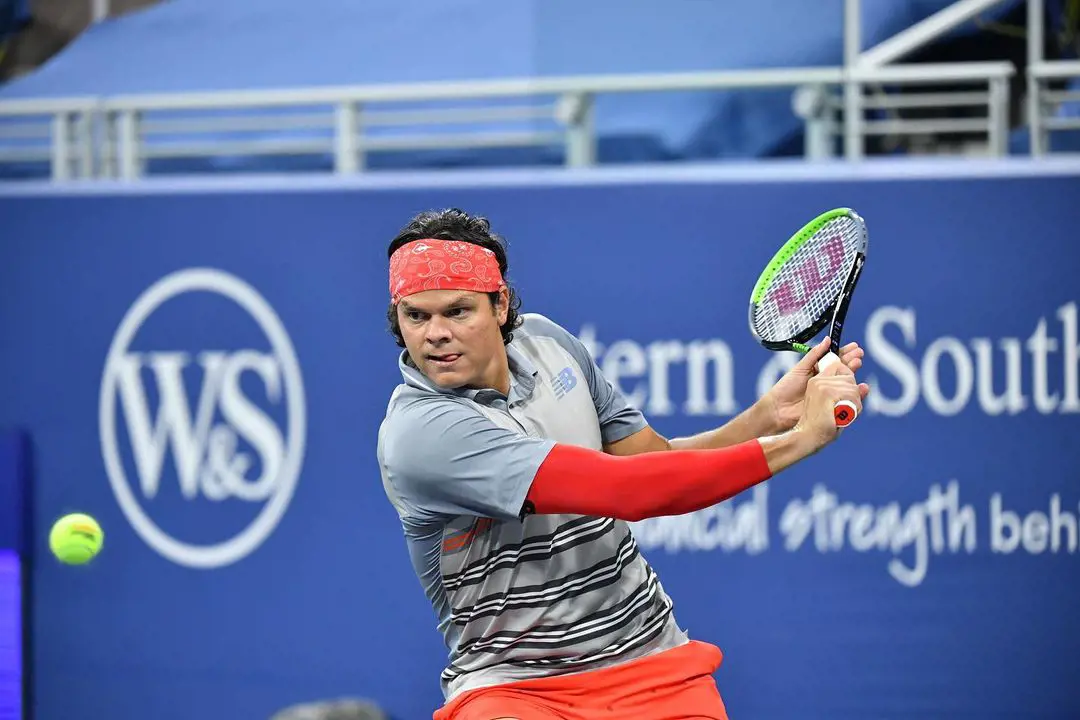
(446, 359)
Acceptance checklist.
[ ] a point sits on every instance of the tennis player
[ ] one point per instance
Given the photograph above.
(514, 466)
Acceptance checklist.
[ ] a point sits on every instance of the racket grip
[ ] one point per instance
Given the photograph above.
(844, 411)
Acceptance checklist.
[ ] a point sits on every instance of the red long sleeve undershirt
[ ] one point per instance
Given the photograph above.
(587, 482)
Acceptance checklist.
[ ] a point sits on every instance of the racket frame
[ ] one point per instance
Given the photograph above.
(839, 306)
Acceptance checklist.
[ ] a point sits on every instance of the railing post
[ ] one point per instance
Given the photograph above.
(99, 10)
(1034, 57)
(998, 116)
(107, 161)
(346, 156)
(576, 111)
(61, 146)
(128, 142)
(84, 139)
(812, 104)
(358, 133)
(853, 130)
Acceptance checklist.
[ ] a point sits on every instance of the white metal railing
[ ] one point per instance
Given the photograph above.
(56, 132)
(336, 120)
(342, 122)
(116, 136)
(347, 112)
(1044, 102)
(826, 113)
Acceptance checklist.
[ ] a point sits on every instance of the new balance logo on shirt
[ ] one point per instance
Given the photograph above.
(564, 382)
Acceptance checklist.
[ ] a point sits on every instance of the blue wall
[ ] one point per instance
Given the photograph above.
(14, 476)
(924, 566)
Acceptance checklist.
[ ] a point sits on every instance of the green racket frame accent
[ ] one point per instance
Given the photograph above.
(790, 247)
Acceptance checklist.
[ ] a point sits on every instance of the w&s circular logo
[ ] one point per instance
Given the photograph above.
(202, 417)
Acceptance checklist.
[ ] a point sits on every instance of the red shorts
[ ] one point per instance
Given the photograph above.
(676, 684)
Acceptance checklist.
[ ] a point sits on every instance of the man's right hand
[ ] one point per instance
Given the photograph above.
(833, 384)
(817, 426)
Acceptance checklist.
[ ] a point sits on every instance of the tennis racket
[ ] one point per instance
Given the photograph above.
(807, 285)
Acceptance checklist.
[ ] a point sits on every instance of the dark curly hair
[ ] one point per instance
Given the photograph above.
(455, 224)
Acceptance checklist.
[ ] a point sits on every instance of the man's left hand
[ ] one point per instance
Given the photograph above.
(784, 401)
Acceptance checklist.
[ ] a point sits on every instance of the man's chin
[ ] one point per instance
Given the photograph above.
(446, 379)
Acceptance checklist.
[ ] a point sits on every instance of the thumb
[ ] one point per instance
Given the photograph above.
(810, 360)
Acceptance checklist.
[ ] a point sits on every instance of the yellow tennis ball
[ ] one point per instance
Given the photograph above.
(75, 539)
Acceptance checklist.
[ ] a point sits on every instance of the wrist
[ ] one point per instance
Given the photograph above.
(788, 448)
(765, 416)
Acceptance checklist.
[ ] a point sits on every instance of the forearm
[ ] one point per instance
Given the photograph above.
(581, 481)
(754, 422)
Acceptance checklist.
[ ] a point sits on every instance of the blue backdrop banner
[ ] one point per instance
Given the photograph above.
(14, 487)
(14, 490)
(205, 372)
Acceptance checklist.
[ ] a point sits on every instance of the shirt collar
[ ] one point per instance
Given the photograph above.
(523, 374)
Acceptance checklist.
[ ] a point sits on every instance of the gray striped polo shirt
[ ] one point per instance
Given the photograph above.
(518, 598)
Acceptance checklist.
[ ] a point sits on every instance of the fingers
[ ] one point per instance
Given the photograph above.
(854, 393)
(827, 393)
(821, 361)
(833, 384)
(831, 366)
(852, 356)
(809, 361)
(823, 394)
(842, 387)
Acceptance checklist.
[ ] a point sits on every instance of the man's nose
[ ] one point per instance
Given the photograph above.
(438, 330)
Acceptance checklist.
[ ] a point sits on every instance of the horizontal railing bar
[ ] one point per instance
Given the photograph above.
(25, 131)
(431, 117)
(590, 84)
(934, 73)
(927, 100)
(24, 154)
(1057, 69)
(49, 106)
(1061, 123)
(478, 140)
(234, 124)
(918, 127)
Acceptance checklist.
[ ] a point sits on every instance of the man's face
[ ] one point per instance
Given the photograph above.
(453, 336)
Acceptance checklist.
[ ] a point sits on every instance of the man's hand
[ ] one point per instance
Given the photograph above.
(785, 400)
(816, 427)
(775, 413)
(823, 391)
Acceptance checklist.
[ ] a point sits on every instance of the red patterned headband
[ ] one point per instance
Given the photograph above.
(431, 264)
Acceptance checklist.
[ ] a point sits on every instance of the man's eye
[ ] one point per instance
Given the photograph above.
(414, 316)
(456, 312)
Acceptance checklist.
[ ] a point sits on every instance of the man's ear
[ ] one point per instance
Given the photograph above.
(502, 307)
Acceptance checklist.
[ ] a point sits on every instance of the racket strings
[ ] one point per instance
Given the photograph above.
(807, 284)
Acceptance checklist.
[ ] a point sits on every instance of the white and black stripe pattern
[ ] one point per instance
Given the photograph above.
(602, 574)
(542, 547)
(648, 633)
(582, 630)
(595, 626)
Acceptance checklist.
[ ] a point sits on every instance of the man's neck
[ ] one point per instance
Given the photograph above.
(497, 375)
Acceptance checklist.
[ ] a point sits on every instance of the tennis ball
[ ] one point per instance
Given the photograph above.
(75, 539)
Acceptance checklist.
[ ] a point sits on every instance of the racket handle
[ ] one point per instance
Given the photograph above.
(844, 411)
